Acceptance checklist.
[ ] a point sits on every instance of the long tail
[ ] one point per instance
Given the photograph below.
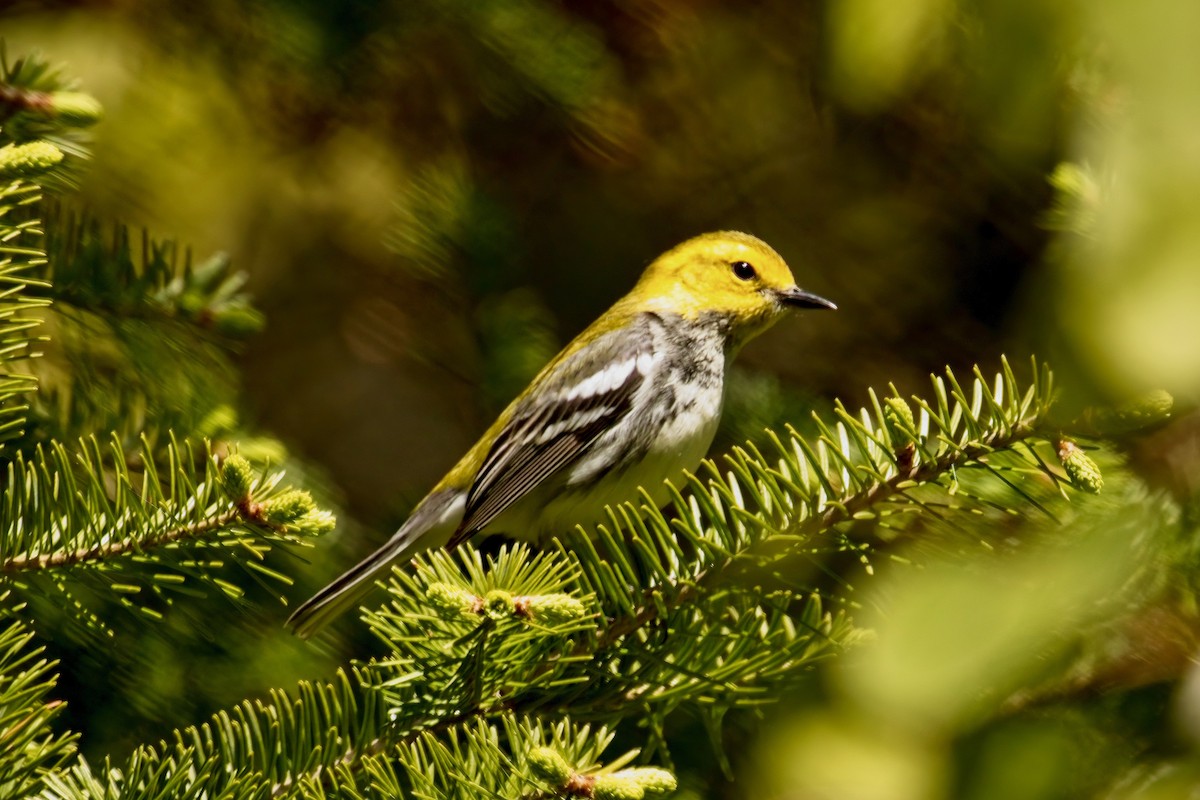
(430, 525)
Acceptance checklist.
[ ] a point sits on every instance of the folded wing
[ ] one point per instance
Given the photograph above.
(583, 399)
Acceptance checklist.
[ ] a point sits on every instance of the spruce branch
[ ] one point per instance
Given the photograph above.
(20, 255)
(691, 607)
(38, 105)
(91, 514)
(136, 276)
(332, 740)
(107, 552)
(28, 160)
(30, 750)
(142, 339)
(860, 467)
(646, 574)
(31, 86)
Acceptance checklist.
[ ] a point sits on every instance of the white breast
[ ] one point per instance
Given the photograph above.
(679, 401)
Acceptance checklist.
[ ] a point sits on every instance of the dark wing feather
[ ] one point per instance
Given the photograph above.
(523, 456)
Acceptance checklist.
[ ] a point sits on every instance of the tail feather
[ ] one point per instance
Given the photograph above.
(341, 595)
(429, 526)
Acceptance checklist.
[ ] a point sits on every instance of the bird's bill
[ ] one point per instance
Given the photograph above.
(799, 298)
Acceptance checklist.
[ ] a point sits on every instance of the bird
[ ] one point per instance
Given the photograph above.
(632, 401)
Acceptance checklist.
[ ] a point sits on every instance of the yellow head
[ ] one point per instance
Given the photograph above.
(734, 275)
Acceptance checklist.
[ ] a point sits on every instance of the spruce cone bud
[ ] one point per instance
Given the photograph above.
(554, 609)
(1084, 473)
(499, 604)
(1135, 414)
(617, 786)
(316, 521)
(287, 507)
(655, 782)
(898, 414)
(75, 108)
(549, 765)
(28, 160)
(450, 601)
(236, 477)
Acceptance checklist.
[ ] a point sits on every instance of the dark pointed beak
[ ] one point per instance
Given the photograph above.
(798, 298)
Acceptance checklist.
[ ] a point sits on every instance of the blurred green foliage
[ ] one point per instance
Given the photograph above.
(429, 196)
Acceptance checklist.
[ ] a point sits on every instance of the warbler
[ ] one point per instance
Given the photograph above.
(631, 401)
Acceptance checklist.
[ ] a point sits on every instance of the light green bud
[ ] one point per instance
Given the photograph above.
(450, 601)
(499, 604)
(28, 160)
(1084, 473)
(76, 108)
(316, 521)
(288, 507)
(899, 417)
(655, 782)
(555, 609)
(237, 476)
(617, 786)
(1137, 413)
(549, 765)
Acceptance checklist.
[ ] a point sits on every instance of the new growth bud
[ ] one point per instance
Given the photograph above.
(634, 784)
(237, 476)
(899, 418)
(450, 601)
(1134, 414)
(1084, 473)
(655, 782)
(554, 609)
(75, 108)
(549, 765)
(617, 787)
(499, 604)
(287, 508)
(28, 160)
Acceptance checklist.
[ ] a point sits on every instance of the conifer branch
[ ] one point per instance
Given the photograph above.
(90, 511)
(590, 627)
(855, 465)
(38, 104)
(20, 237)
(884, 464)
(111, 267)
(104, 552)
(245, 510)
(30, 749)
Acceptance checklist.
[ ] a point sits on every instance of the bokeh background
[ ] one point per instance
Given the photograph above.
(431, 196)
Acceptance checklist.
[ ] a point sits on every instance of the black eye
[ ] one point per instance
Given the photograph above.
(743, 270)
